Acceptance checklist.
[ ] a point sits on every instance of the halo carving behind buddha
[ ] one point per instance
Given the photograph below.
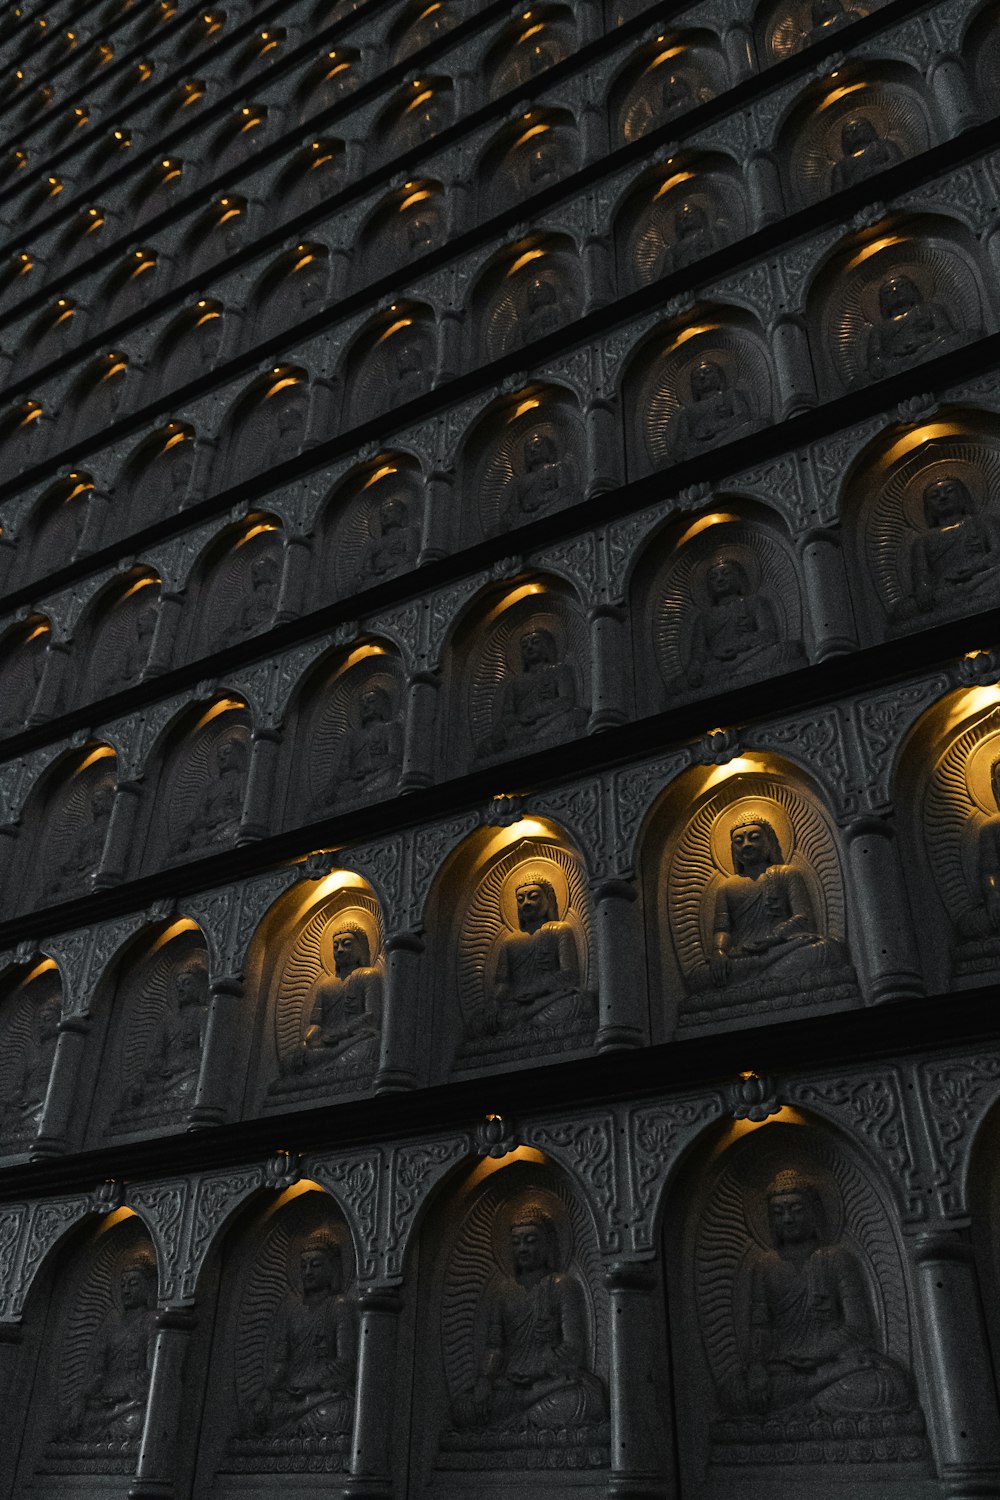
(802, 22)
(240, 592)
(691, 214)
(20, 674)
(670, 425)
(354, 745)
(891, 110)
(374, 532)
(29, 1016)
(118, 646)
(201, 803)
(677, 79)
(76, 825)
(529, 303)
(398, 366)
(531, 465)
(496, 674)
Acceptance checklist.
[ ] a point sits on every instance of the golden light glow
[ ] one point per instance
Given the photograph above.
(45, 966)
(417, 197)
(42, 628)
(230, 213)
(147, 264)
(739, 1128)
(393, 328)
(523, 260)
(96, 220)
(192, 92)
(32, 412)
(175, 438)
(337, 880)
(118, 1217)
(80, 487)
(340, 67)
(515, 595)
(420, 99)
(928, 432)
(886, 243)
(672, 182)
(116, 367)
(663, 57)
(531, 31)
(207, 317)
(281, 385)
(256, 530)
(531, 131)
(523, 406)
(145, 71)
(140, 583)
(26, 263)
(739, 765)
(55, 186)
(182, 925)
(491, 1164)
(295, 1191)
(967, 704)
(704, 521)
(837, 94)
(99, 752)
(302, 262)
(380, 473)
(67, 312)
(223, 706)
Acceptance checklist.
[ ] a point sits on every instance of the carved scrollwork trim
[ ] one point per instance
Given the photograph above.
(357, 1183)
(658, 1137)
(957, 1094)
(588, 1150)
(414, 1172)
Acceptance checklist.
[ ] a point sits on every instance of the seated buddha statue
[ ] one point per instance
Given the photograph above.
(257, 600)
(538, 703)
(83, 849)
(344, 1008)
(111, 1408)
(736, 631)
(408, 375)
(813, 1338)
(982, 919)
(393, 541)
(693, 238)
(173, 1063)
(863, 152)
(543, 311)
(219, 806)
(21, 1109)
(534, 1372)
(957, 557)
(909, 329)
(536, 981)
(716, 413)
(371, 751)
(543, 480)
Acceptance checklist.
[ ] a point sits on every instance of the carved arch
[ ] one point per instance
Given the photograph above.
(528, 46)
(23, 651)
(393, 360)
(63, 827)
(371, 527)
(526, 156)
(416, 114)
(410, 222)
(676, 214)
(665, 79)
(268, 424)
(528, 291)
(234, 587)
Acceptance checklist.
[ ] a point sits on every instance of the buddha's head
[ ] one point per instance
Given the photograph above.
(826, 13)
(689, 220)
(857, 134)
(754, 845)
(538, 648)
(263, 572)
(795, 1209)
(374, 706)
(392, 513)
(540, 295)
(350, 949)
(320, 1263)
(534, 1241)
(191, 981)
(47, 1017)
(539, 451)
(708, 379)
(726, 579)
(946, 501)
(137, 1280)
(230, 757)
(536, 903)
(898, 296)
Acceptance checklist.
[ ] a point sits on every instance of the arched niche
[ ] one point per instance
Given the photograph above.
(317, 976)
(109, 152)
(419, 24)
(392, 361)
(741, 862)
(716, 601)
(56, 524)
(18, 274)
(24, 434)
(278, 1416)
(90, 1332)
(190, 342)
(145, 1050)
(946, 790)
(667, 78)
(533, 42)
(371, 525)
(509, 1253)
(418, 112)
(517, 675)
(531, 291)
(525, 458)
(514, 962)
(38, 200)
(412, 221)
(49, 336)
(693, 388)
(64, 827)
(198, 33)
(131, 284)
(30, 1012)
(241, 134)
(260, 52)
(23, 651)
(677, 214)
(217, 232)
(267, 424)
(781, 1244)
(981, 54)
(235, 587)
(162, 186)
(785, 27)
(188, 96)
(314, 175)
(866, 120)
(83, 236)
(540, 149)
(96, 397)
(115, 637)
(893, 297)
(331, 77)
(347, 739)
(196, 789)
(295, 287)
(923, 514)
(155, 479)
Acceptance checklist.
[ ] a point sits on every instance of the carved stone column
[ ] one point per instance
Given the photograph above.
(605, 467)
(371, 1453)
(766, 200)
(793, 366)
(163, 646)
(598, 271)
(621, 980)
(419, 738)
(49, 695)
(610, 674)
(737, 44)
(53, 1136)
(963, 1413)
(593, 127)
(295, 579)
(157, 1454)
(638, 1439)
(399, 1066)
(220, 1083)
(826, 594)
(952, 94)
(118, 843)
(439, 531)
(885, 943)
(260, 816)
(453, 339)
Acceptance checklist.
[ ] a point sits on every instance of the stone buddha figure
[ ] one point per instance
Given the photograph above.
(111, 1408)
(393, 539)
(344, 1009)
(21, 1110)
(543, 312)
(533, 1375)
(693, 238)
(219, 806)
(983, 920)
(813, 1346)
(909, 329)
(18, 690)
(736, 631)
(371, 751)
(407, 367)
(957, 557)
(541, 479)
(716, 413)
(763, 925)
(538, 703)
(138, 642)
(82, 851)
(309, 1390)
(536, 981)
(827, 16)
(863, 152)
(174, 1060)
(258, 598)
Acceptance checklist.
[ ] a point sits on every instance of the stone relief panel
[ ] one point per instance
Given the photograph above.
(92, 1379)
(314, 175)
(394, 362)
(696, 388)
(24, 435)
(513, 1347)
(236, 588)
(268, 426)
(195, 804)
(543, 148)
(533, 293)
(893, 304)
(64, 829)
(332, 77)
(23, 653)
(520, 677)
(719, 606)
(295, 288)
(411, 222)
(280, 1405)
(751, 898)
(56, 526)
(191, 342)
(348, 737)
(862, 124)
(97, 397)
(417, 27)
(30, 1013)
(793, 1324)
(535, 42)
(790, 25)
(372, 525)
(926, 525)
(320, 995)
(417, 114)
(678, 216)
(114, 644)
(671, 76)
(158, 1018)
(526, 460)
